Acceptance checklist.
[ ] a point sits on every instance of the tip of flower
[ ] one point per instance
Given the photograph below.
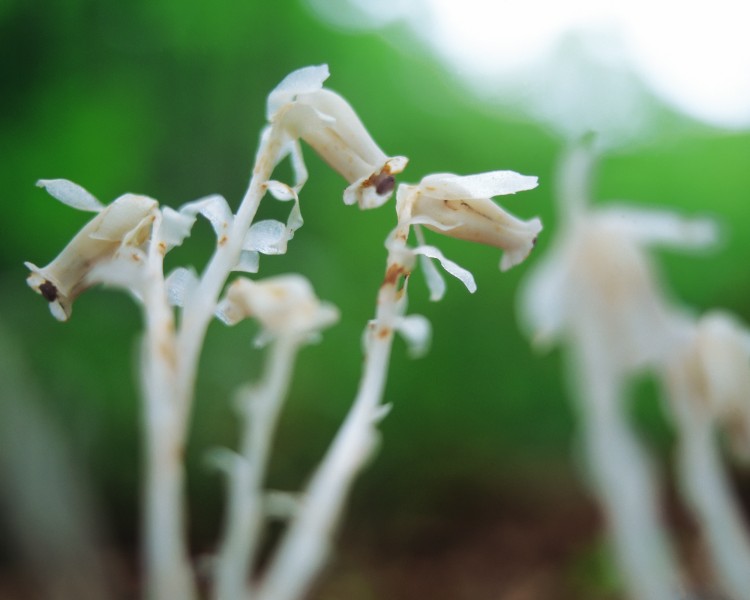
(302, 81)
(375, 190)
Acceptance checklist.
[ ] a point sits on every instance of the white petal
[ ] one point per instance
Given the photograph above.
(416, 331)
(458, 272)
(180, 284)
(267, 237)
(71, 194)
(125, 271)
(302, 81)
(128, 214)
(482, 185)
(661, 227)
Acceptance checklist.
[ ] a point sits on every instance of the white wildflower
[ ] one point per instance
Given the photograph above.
(119, 230)
(303, 109)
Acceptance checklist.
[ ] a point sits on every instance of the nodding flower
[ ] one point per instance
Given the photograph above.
(461, 207)
(285, 305)
(123, 225)
(304, 110)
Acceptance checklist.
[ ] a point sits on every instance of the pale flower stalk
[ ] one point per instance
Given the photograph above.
(598, 292)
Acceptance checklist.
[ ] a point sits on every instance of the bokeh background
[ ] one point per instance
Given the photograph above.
(477, 490)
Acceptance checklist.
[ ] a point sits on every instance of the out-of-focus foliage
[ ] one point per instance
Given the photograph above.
(167, 98)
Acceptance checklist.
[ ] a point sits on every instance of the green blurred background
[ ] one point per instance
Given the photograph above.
(475, 491)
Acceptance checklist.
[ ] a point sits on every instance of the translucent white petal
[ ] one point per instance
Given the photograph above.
(481, 185)
(458, 272)
(302, 81)
(180, 284)
(127, 216)
(661, 227)
(125, 271)
(71, 194)
(267, 237)
(416, 331)
(298, 165)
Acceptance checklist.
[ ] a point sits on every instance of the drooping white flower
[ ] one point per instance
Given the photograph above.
(303, 109)
(461, 207)
(119, 229)
(285, 305)
(598, 280)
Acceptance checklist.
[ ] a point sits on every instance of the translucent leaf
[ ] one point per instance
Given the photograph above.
(214, 208)
(249, 262)
(280, 191)
(180, 284)
(71, 194)
(416, 331)
(433, 278)
(458, 272)
(267, 237)
(175, 227)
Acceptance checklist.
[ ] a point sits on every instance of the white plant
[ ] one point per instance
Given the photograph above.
(124, 245)
(598, 292)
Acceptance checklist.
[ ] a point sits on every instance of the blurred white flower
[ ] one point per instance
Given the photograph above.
(597, 279)
(303, 109)
(119, 230)
(285, 305)
(716, 361)
(461, 207)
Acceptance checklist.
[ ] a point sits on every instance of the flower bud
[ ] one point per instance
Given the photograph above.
(284, 305)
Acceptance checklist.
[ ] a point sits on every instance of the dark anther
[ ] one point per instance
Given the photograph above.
(49, 291)
(385, 185)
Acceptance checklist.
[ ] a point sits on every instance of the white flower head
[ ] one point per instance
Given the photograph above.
(718, 364)
(304, 109)
(461, 207)
(598, 285)
(120, 229)
(285, 305)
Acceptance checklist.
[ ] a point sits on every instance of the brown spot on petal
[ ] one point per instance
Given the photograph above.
(223, 240)
(49, 291)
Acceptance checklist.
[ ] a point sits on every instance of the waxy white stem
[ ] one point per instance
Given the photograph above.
(260, 408)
